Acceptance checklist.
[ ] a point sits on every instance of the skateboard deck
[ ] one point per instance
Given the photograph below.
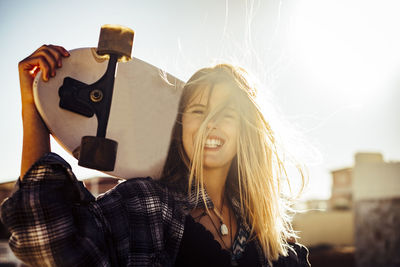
(142, 114)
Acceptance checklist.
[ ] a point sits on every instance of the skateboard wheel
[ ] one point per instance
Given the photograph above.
(98, 153)
(115, 39)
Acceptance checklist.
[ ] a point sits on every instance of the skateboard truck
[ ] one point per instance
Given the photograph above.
(98, 152)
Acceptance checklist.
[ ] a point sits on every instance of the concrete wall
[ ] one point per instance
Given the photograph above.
(333, 227)
(377, 235)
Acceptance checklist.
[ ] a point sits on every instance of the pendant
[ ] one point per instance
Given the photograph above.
(224, 229)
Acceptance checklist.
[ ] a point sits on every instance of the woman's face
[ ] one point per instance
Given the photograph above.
(220, 146)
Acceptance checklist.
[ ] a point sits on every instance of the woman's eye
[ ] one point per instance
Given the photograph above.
(197, 111)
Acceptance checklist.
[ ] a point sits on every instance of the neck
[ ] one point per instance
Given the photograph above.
(214, 181)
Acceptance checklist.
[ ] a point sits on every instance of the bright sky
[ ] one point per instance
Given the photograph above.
(331, 68)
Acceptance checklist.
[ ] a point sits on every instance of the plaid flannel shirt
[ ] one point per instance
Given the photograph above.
(55, 221)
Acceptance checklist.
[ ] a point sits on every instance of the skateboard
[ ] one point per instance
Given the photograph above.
(111, 111)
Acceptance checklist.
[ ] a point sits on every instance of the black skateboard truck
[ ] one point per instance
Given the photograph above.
(98, 152)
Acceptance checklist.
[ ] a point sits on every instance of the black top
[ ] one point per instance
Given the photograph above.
(199, 248)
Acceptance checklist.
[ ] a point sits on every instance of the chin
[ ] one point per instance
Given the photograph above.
(215, 165)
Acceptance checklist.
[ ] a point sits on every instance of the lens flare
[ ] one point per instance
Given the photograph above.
(34, 70)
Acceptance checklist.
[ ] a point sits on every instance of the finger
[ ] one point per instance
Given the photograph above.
(44, 66)
(61, 49)
(50, 59)
(57, 48)
(58, 52)
(39, 63)
(29, 65)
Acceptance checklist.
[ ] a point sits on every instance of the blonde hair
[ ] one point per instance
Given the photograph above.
(256, 171)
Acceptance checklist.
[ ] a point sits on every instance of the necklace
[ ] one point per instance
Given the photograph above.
(219, 232)
(223, 228)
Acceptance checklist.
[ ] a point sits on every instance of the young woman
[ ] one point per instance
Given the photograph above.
(218, 202)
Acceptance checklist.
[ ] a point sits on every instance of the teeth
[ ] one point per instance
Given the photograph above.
(213, 143)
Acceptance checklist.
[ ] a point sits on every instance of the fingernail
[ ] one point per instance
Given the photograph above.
(59, 63)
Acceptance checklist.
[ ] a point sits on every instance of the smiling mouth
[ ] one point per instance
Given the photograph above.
(214, 142)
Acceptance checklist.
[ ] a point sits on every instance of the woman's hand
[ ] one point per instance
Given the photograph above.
(47, 58)
(36, 139)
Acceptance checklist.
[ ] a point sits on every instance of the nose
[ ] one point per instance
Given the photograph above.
(212, 124)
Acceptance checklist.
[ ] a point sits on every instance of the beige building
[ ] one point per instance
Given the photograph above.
(342, 189)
